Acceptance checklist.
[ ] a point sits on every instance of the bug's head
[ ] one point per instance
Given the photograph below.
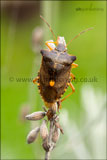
(61, 44)
(61, 47)
(63, 58)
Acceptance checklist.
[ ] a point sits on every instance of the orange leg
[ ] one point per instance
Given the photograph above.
(74, 65)
(73, 77)
(35, 80)
(73, 90)
(47, 43)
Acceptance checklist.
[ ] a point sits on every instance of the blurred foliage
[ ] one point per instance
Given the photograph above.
(17, 60)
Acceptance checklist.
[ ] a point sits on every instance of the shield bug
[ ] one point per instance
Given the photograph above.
(55, 74)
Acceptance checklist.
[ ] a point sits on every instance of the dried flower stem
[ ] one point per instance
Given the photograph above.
(49, 138)
(51, 131)
(47, 154)
(47, 10)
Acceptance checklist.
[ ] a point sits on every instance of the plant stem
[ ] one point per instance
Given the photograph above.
(47, 154)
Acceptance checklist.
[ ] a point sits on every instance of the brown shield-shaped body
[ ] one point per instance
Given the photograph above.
(55, 67)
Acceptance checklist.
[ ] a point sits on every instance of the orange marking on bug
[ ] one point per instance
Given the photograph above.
(38, 84)
(54, 65)
(48, 105)
(64, 89)
(51, 83)
(35, 80)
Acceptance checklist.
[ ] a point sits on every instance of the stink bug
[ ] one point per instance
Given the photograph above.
(55, 72)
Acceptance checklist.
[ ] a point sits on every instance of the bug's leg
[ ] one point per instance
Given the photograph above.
(35, 80)
(47, 44)
(73, 90)
(59, 105)
(73, 77)
(74, 65)
(44, 108)
(72, 87)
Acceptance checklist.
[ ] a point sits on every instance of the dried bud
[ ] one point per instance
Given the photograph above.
(33, 135)
(44, 130)
(56, 118)
(56, 135)
(36, 116)
(45, 145)
(58, 126)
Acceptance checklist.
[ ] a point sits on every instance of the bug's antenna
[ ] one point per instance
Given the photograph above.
(48, 26)
(79, 35)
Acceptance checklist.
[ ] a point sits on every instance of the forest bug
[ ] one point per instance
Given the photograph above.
(55, 72)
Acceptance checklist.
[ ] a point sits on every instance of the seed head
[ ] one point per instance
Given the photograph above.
(44, 130)
(56, 135)
(46, 145)
(33, 135)
(58, 126)
(36, 116)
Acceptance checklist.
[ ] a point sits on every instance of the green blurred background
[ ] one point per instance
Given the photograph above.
(83, 114)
